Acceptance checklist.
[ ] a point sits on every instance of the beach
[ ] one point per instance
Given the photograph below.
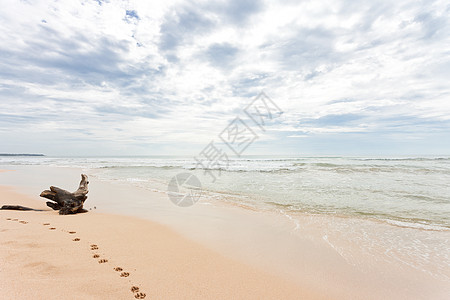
(47, 256)
(225, 150)
(134, 237)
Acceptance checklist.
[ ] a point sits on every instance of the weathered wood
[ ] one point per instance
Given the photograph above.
(67, 202)
(17, 207)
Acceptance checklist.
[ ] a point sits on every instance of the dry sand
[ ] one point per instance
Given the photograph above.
(47, 256)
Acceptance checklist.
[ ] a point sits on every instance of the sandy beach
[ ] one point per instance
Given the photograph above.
(96, 256)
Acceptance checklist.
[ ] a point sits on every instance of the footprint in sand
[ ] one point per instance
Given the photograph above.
(15, 219)
(134, 289)
(95, 256)
(140, 296)
(124, 274)
(76, 239)
(94, 247)
(52, 228)
(9, 219)
(118, 269)
(72, 232)
(46, 224)
(23, 222)
(102, 261)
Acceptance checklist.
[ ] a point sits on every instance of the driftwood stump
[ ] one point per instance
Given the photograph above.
(67, 202)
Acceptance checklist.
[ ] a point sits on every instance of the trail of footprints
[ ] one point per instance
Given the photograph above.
(17, 220)
(134, 289)
(137, 294)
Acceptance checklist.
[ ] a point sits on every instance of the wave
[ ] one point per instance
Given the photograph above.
(417, 225)
(284, 205)
(404, 159)
(140, 167)
(413, 223)
(257, 164)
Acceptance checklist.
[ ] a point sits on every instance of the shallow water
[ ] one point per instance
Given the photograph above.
(412, 192)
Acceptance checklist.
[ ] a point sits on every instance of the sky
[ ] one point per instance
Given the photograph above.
(101, 77)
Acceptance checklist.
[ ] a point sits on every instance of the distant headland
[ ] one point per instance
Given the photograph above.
(20, 154)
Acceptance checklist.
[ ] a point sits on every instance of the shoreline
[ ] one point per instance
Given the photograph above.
(396, 222)
(321, 257)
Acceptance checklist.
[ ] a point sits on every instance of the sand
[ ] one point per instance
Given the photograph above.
(98, 256)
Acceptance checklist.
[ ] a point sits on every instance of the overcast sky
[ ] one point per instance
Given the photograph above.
(167, 77)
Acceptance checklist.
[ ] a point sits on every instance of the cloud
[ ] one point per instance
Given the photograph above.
(222, 55)
(131, 14)
(236, 12)
(115, 77)
(181, 25)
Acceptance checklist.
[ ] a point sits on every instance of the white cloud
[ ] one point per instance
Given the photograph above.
(176, 73)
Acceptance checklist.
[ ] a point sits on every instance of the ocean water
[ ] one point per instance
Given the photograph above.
(412, 192)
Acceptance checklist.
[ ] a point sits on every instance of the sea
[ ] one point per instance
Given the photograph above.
(405, 191)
